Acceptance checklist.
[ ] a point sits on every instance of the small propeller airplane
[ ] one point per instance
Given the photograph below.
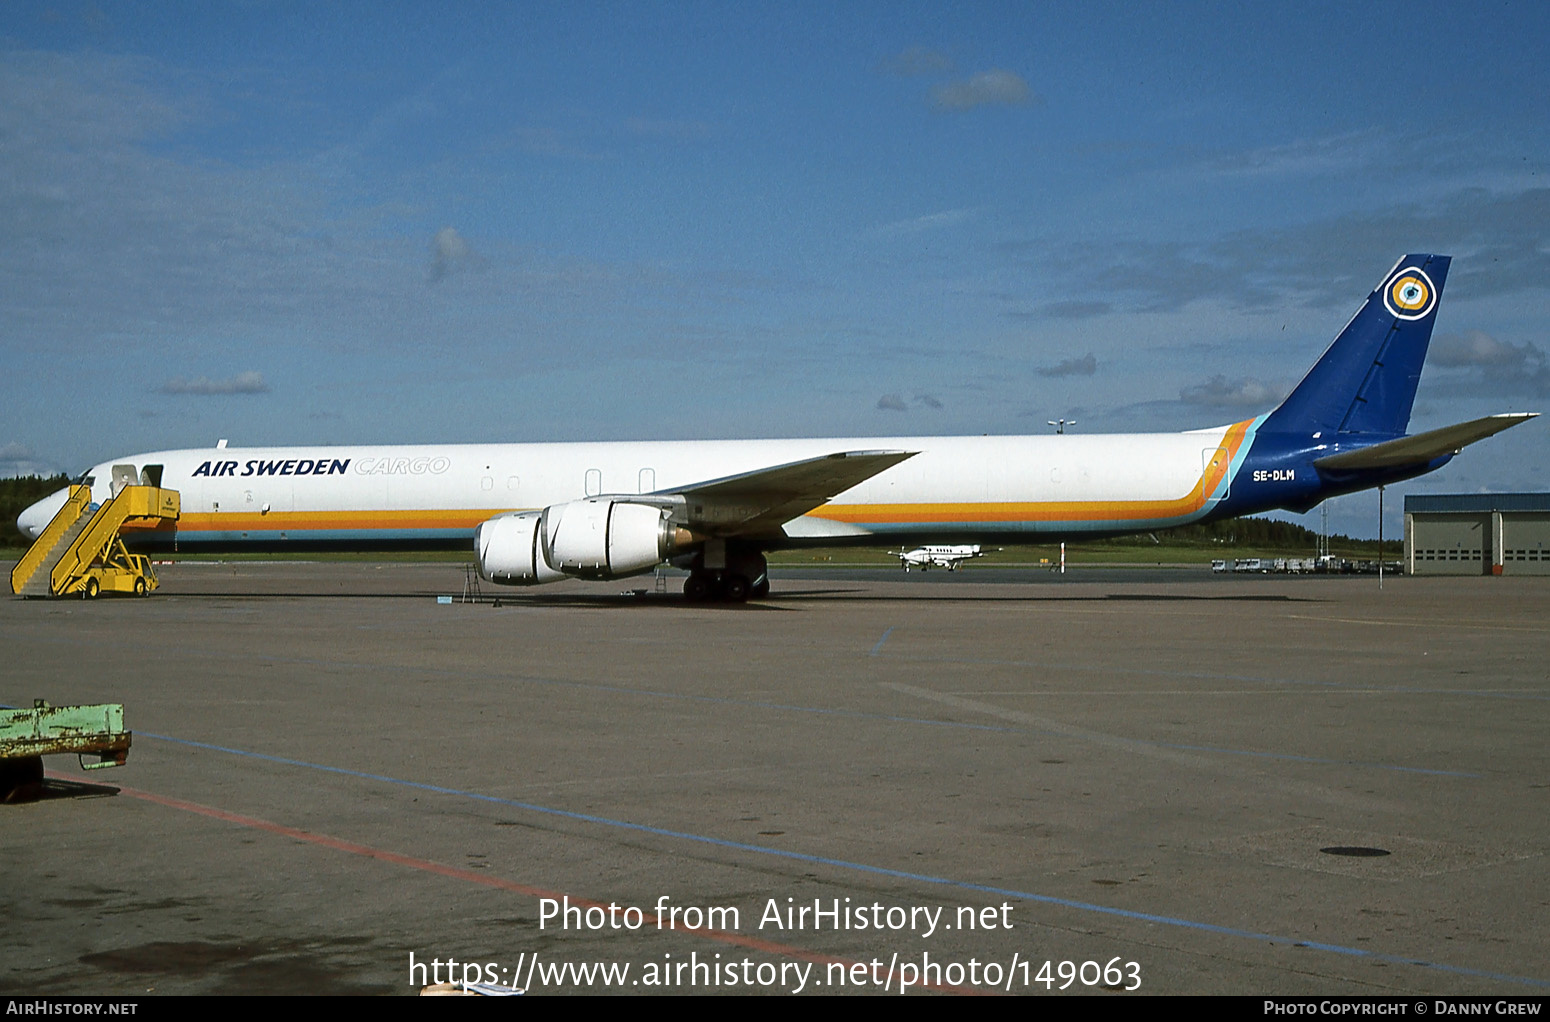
(928, 557)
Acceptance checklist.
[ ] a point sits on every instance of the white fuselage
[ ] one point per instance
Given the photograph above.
(438, 494)
(947, 557)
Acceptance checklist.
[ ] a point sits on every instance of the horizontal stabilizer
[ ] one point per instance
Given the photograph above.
(1423, 447)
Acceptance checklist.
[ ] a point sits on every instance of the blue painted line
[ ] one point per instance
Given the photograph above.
(893, 718)
(879, 647)
(898, 719)
(890, 718)
(923, 878)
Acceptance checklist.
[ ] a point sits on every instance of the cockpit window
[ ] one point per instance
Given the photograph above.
(84, 479)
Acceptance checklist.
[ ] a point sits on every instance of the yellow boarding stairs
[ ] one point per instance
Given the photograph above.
(81, 551)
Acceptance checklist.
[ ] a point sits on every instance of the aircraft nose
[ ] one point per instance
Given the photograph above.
(35, 519)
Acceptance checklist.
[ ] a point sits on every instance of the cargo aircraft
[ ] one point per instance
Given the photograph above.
(535, 513)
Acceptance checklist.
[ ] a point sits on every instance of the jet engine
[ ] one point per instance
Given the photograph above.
(509, 552)
(605, 537)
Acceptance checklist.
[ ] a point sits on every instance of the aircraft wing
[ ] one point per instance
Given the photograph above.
(760, 502)
(1423, 447)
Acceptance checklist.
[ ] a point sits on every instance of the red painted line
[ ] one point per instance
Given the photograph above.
(440, 869)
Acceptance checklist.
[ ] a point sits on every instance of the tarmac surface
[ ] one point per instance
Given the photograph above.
(1142, 778)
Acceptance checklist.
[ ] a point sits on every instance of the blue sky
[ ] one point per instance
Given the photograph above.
(299, 223)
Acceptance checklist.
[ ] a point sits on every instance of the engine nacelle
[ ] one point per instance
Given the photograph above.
(604, 537)
(509, 553)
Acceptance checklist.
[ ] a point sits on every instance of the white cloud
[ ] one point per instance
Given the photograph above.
(1490, 366)
(243, 383)
(1074, 309)
(564, 144)
(1087, 365)
(1220, 392)
(988, 88)
(1478, 348)
(17, 459)
(646, 127)
(450, 254)
(928, 222)
(1496, 238)
(918, 60)
(896, 402)
(1306, 156)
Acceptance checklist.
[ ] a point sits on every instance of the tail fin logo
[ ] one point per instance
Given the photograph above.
(1410, 294)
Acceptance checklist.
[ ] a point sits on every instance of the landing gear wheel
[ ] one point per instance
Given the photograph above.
(21, 780)
(698, 588)
(734, 588)
(93, 587)
(140, 587)
(744, 574)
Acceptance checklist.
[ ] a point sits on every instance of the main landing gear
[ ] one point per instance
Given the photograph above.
(746, 576)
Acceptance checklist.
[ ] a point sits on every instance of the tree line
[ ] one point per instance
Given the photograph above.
(15, 495)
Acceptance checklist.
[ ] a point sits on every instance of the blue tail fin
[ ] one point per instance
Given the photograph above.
(1365, 382)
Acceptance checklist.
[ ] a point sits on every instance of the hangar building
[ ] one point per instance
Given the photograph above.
(1477, 534)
